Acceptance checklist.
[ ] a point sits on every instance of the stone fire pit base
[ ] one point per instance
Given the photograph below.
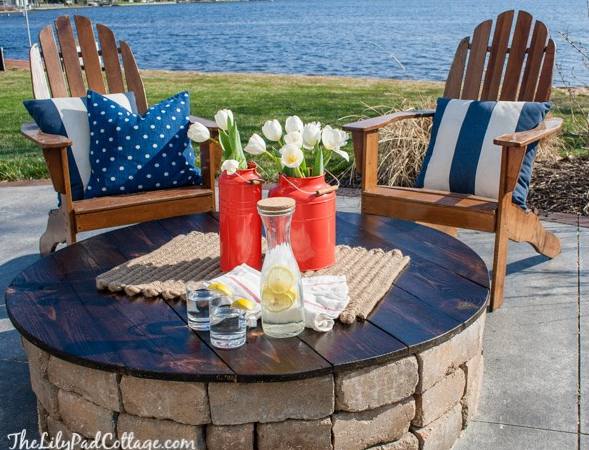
(422, 401)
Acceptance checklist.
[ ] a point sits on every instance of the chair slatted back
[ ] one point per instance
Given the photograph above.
(64, 66)
(512, 61)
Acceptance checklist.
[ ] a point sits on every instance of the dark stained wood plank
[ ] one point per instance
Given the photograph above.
(266, 359)
(44, 272)
(545, 83)
(517, 55)
(180, 350)
(134, 81)
(533, 62)
(52, 63)
(427, 243)
(451, 293)
(411, 320)
(162, 344)
(476, 61)
(110, 58)
(87, 43)
(69, 53)
(356, 345)
(205, 223)
(497, 56)
(456, 74)
(53, 319)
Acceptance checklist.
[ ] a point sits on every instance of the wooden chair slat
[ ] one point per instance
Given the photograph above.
(545, 84)
(517, 55)
(71, 61)
(90, 57)
(456, 74)
(134, 81)
(38, 78)
(52, 63)
(534, 62)
(476, 61)
(497, 55)
(110, 58)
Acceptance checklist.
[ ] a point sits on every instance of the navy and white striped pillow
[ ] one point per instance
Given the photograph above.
(462, 157)
(68, 116)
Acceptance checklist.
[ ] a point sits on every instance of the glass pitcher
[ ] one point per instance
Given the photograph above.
(281, 288)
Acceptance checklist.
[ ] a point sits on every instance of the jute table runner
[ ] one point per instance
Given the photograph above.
(194, 257)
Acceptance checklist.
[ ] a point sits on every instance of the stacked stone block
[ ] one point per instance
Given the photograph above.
(421, 401)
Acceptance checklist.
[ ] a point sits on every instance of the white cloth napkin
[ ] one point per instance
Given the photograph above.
(324, 296)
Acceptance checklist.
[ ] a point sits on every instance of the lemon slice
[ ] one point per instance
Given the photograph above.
(274, 302)
(280, 279)
(220, 287)
(243, 303)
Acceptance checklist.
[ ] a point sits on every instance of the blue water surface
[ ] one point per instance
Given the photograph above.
(379, 38)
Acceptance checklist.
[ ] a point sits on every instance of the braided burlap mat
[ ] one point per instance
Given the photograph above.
(195, 257)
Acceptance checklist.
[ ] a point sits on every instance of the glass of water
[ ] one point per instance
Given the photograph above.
(227, 324)
(198, 302)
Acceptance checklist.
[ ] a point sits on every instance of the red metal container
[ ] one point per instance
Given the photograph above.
(239, 223)
(313, 223)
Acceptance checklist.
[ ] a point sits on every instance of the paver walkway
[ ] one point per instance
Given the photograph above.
(536, 388)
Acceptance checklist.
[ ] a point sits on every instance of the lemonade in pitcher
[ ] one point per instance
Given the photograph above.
(281, 289)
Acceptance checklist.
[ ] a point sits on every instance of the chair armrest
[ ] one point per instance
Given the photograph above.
(44, 140)
(375, 123)
(210, 124)
(525, 138)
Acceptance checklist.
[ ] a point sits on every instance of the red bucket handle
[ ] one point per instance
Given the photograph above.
(318, 192)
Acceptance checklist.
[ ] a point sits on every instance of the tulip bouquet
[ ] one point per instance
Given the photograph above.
(229, 139)
(302, 150)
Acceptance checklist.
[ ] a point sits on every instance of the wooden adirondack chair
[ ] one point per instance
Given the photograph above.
(48, 63)
(515, 70)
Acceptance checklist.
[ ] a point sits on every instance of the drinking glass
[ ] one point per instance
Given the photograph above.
(227, 324)
(197, 306)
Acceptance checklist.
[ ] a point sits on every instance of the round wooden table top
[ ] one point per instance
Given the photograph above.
(55, 305)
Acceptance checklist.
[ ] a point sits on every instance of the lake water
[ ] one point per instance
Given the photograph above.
(380, 38)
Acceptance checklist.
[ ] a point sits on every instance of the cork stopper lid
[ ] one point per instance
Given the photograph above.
(274, 206)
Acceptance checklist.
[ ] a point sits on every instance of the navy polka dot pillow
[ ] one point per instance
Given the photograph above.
(132, 153)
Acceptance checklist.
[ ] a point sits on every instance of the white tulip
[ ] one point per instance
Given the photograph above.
(256, 145)
(272, 130)
(230, 166)
(291, 156)
(224, 118)
(311, 135)
(198, 132)
(293, 123)
(333, 138)
(294, 137)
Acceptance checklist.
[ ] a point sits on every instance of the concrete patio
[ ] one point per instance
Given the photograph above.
(536, 387)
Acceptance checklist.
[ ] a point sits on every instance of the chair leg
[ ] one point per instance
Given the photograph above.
(528, 228)
(499, 269)
(56, 232)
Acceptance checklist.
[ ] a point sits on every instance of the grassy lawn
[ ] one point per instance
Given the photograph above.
(253, 99)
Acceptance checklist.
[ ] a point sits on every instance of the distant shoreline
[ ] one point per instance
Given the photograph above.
(60, 7)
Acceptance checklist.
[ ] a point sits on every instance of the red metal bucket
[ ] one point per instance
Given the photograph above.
(313, 223)
(239, 223)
